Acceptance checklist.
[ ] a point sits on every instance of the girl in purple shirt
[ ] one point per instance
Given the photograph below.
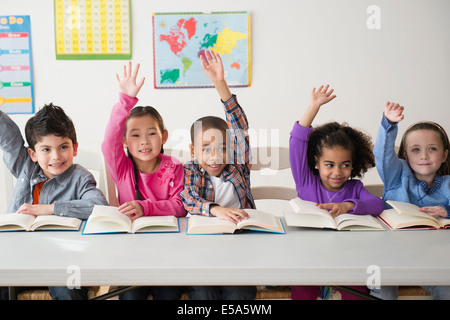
(324, 162)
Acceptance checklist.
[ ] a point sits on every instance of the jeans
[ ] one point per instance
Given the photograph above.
(391, 292)
(64, 293)
(158, 293)
(222, 293)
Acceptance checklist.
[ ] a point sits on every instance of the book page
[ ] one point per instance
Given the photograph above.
(55, 222)
(107, 219)
(155, 224)
(399, 221)
(15, 221)
(308, 220)
(260, 219)
(202, 225)
(348, 221)
(303, 206)
(409, 208)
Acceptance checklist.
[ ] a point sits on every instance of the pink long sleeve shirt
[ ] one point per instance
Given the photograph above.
(161, 189)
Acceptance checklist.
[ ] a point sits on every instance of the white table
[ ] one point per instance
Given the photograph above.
(300, 257)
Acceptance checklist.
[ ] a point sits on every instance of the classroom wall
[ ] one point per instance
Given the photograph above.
(296, 45)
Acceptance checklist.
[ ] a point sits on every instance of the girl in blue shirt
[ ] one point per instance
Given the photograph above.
(419, 174)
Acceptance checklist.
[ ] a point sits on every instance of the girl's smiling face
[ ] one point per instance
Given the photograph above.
(144, 139)
(335, 167)
(425, 154)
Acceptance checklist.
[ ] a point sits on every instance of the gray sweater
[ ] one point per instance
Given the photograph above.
(73, 193)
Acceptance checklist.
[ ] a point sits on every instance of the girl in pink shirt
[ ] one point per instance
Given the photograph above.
(148, 182)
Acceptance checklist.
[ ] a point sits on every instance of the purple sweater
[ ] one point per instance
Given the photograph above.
(309, 186)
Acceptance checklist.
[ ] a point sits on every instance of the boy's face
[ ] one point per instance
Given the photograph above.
(53, 154)
(210, 151)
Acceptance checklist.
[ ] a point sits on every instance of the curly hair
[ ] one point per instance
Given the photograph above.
(333, 134)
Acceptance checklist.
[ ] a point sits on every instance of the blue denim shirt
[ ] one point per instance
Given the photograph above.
(73, 193)
(400, 183)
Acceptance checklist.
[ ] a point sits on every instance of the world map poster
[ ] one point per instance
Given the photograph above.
(180, 39)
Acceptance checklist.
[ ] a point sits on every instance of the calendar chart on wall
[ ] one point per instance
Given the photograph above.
(92, 29)
(16, 69)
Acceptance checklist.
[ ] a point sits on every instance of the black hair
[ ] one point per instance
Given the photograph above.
(50, 119)
(334, 134)
(209, 122)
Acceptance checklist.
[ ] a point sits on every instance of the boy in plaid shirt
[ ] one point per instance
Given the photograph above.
(217, 180)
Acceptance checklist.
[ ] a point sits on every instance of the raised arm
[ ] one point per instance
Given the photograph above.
(112, 146)
(128, 84)
(319, 97)
(213, 68)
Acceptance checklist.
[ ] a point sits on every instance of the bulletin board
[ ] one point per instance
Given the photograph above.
(92, 29)
(16, 70)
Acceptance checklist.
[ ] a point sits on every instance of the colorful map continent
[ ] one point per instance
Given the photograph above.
(181, 39)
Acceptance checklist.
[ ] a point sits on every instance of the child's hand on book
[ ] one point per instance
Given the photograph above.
(36, 209)
(229, 214)
(394, 112)
(132, 209)
(435, 211)
(128, 84)
(336, 209)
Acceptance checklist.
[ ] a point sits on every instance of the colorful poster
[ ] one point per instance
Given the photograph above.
(16, 71)
(92, 29)
(180, 38)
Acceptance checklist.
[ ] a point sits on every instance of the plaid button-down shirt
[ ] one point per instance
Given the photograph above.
(198, 194)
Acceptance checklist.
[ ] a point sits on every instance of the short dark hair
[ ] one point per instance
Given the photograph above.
(50, 119)
(209, 122)
(334, 134)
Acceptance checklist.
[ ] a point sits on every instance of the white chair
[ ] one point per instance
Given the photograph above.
(6, 185)
(94, 162)
(275, 160)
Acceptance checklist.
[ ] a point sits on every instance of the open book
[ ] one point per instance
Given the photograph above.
(28, 222)
(258, 221)
(307, 214)
(407, 216)
(106, 219)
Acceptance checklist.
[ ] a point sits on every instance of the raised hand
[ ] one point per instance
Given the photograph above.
(212, 66)
(128, 84)
(394, 112)
(213, 69)
(321, 95)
